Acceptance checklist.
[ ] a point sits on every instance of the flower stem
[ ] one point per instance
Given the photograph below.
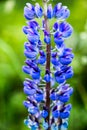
(48, 53)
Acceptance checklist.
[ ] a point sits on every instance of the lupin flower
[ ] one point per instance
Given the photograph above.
(48, 67)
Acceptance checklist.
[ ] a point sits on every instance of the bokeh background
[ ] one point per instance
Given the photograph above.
(12, 111)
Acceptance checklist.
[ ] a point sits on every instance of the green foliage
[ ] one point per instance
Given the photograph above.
(12, 112)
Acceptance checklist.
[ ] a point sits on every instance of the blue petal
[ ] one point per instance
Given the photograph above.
(67, 33)
(57, 8)
(29, 91)
(54, 127)
(26, 69)
(61, 12)
(39, 44)
(33, 24)
(56, 114)
(70, 91)
(60, 78)
(29, 12)
(38, 11)
(33, 110)
(66, 14)
(47, 78)
(26, 104)
(30, 54)
(44, 114)
(35, 75)
(57, 35)
(65, 61)
(52, 81)
(49, 11)
(63, 127)
(41, 60)
(34, 126)
(42, 53)
(25, 29)
(33, 38)
(63, 26)
(45, 125)
(66, 29)
(26, 122)
(39, 97)
(64, 98)
(47, 39)
(72, 55)
(55, 61)
(31, 64)
(26, 45)
(58, 41)
(53, 96)
(69, 74)
(63, 87)
(68, 107)
(55, 26)
(65, 114)
(67, 51)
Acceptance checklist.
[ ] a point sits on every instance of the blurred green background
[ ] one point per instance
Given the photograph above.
(12, 111)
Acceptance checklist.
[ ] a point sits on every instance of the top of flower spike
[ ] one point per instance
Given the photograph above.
(59, 11)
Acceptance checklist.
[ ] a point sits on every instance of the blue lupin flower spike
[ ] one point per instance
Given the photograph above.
(46, 101)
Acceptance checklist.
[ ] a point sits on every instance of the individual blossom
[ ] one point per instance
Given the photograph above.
(50, 13)
(62, 31)
(29, 11)
(30, 49)
(61, 12)
(47, 38)
(38, 11)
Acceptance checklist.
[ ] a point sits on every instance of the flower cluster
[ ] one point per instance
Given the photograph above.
(60, 72)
